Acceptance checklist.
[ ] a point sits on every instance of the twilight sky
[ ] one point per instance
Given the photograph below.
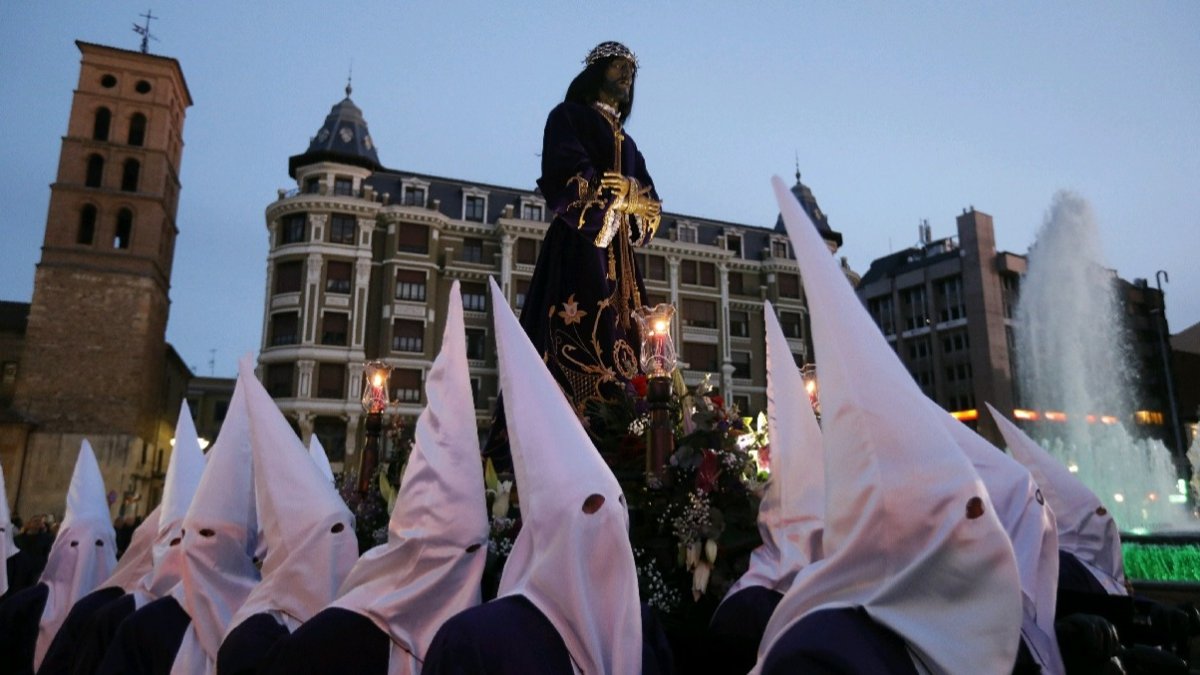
(897, 111)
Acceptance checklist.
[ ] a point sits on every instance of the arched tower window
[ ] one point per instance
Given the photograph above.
(124, 229)
(102, 122)
(95, 171)
(137, 129)
(87, 225)
(129, 175)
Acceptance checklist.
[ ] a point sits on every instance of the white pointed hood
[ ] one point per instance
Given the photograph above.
(791, 518)
(910, 535)
(138, 559)
(1029, 522)
(219, 540)
(1085, 527)
(317, 452)
(184, 470)
(308, 529)
(576, 567)
(8, 545)
(83, 554)
(431, 566)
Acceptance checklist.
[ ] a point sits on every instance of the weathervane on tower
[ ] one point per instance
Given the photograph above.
(144, 31)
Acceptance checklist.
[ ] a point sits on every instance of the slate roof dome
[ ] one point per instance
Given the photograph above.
(805, 196)
(342, 138)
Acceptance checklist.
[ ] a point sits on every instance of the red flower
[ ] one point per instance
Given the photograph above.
(710, 470)
(640, 385)
(718, 401)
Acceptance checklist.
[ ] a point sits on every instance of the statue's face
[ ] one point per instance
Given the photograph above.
(618, 81)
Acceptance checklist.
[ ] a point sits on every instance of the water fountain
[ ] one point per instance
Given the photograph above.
(1072, 359)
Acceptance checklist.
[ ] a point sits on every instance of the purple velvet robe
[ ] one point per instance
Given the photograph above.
(64, 648)
(147, 641)
(335, 641)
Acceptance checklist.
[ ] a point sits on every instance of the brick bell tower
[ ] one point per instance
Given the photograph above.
(95, 360)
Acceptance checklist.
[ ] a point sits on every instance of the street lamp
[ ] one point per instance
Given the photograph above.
(374, 401)
(658, 362)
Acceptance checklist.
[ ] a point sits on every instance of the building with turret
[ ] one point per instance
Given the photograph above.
(362, 257)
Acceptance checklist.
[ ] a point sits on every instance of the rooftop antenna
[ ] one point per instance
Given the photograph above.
(212, 362)
(349, 78)
(797, 167)
(144, 31)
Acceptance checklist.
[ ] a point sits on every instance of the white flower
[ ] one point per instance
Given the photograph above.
(700, 579)
(710, 550)
(693, 554)
(500, 505)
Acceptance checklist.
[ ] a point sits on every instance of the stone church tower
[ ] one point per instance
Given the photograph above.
(96, 363)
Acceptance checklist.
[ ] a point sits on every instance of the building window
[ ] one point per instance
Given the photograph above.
(915, 313)
(685, 233)
(476, 344)
(412, 238)
(958, 373)
(87, 225)
(100, 124)
(408, 336)
(708, 274)
(739, 323)
(951, 299)
(789, 285)
(410, 285)
(733, 244)
(791, 323)
(137, 130)
(331, 380)
(653, 266)
(292, 229)
(956, 342)
(414, 196)
(342, 228)
(337, 276)
(288, 276)
(281, 380)
(656, 299)
(335, 328)
(700, 356)
(881, 310)
(343, 186)
(779, 249)
(527, 251)
(1009, 287)
(10, 372)
(285, 329)
(477, 393)
(687, 272)
(741, 364)
(406, 385)
(473, 208)
(919, 349)
(521, 288)
(532, 212)
(331, 431)
(736, 281)
(474, 297)
(95, 171)
(742, 403)
(220, 409)
(312, 185)
(129, 175)
(124, 230)
(472, 250)
(699, 313)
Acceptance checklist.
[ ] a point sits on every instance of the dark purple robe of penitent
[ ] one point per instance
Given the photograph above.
(575, 315)
(147, 641)
(510, 636)
(61, 655)
(23, 570)
(841, 641)
(99, 634)
(245, 648)
(335, 641)
(737, 628)
(20, 615)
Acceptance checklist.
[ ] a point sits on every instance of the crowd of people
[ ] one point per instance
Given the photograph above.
(894, 539)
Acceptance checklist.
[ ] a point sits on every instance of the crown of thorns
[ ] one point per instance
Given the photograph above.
(607, 49)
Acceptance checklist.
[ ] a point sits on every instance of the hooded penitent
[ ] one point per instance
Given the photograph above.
(219, 541)
(791, 516)
(317, 452)
(309, 531)
(1085, 527)
(430, 568)
(84, 552)
(910, 534)
(8, 545)
(572, 558)
(179, 487)
(138, 560)
(1029, 522)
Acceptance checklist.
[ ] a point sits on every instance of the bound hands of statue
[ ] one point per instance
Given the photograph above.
(630, 197)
